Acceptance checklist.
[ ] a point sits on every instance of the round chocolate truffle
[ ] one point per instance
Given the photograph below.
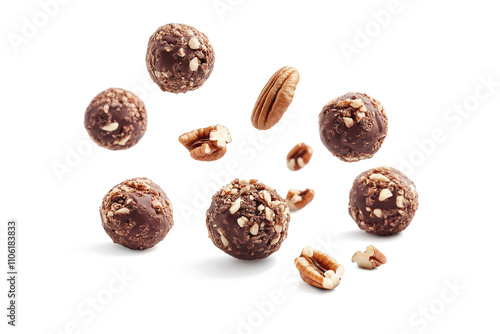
(116, 119)
(353, 126)
(136, 214)
(383, 201)
(179, 58)
(248, 220)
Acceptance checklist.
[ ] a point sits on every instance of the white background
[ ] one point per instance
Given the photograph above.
(424, 62)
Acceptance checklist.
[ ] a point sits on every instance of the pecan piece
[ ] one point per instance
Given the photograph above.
(206, 144)
(369, 259)
(275, 98)
(319, 269)
(297, 199)
(299, 156)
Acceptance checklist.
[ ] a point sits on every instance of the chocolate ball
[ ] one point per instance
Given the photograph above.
(353, 126)
(383, 201)
(136, 214)
(179, 58)
(116, 119)
(248, 220)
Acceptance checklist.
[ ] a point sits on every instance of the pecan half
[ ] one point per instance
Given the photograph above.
(370, 259)
(299, 156)
(275, 98)
(206, 144)
(319, 269)
(297, 199)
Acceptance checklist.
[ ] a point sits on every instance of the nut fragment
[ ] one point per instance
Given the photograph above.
(384, 194)
(356, 103)
(242, 221)
(123, 141)
(275, 98)
(400, 201)
(299, 156)
(223, 239)
(369, 259)
(194, 43)
(254, 230)
(319, 269)
(194, 64)
(297, 199)
(349, 122)
(379, 177)
(235, 206)
(378, 213)
(275, 240)
(269, 214)
(122, 211)
(360, 116)
(220, 136)
(110, 127)
(266, 196)
(206, 144)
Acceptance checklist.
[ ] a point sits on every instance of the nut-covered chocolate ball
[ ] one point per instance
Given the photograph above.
(383, 201)
(353, 126)
(248, 220)
(179, 58)
(136, 214)
(116, 119)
